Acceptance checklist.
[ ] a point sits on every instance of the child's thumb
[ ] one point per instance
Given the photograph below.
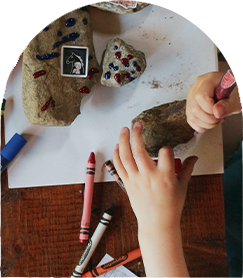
(226, 107)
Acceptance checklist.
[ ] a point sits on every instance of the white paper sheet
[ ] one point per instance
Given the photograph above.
(176, 52)
(120, 271)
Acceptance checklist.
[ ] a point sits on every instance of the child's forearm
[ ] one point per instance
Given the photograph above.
(162, 252)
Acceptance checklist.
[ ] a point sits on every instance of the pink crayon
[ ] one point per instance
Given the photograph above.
(225, 86)
(88, 195)
(11, 56)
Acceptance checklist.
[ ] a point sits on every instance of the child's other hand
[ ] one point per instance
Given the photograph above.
(156, 193)
(201, 110)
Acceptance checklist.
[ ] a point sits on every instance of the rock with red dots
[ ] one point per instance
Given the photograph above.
(121, 7)
(59, 69)
(121, 63)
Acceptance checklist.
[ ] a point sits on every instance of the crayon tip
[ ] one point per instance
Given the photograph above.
(92, 158)
(110, 209)
(2, 104)
(108, 162)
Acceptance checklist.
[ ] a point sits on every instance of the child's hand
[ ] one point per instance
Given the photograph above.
(201, 110)
(156, 193)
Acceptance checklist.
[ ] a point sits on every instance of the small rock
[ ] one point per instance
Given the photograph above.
(121, 64)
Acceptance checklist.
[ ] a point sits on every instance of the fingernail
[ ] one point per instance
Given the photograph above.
(123, 130)
(117, 146)
(137, 124)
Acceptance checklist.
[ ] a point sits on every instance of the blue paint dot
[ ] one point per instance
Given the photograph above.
(131, 78)
(132, 72)
(116, 68)
(127, 65)
(111, 66)
(107, 75)
(70, 22)
(48, 56)
(115, 47)
(68, 38)
(45, 27)
(34, 23)
(135, 63)
(90, 57)
(59, 33)
(85, 21)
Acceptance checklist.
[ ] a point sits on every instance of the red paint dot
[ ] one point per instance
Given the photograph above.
(127, 74)
(124, 61)
(39, 73)
(117, 78)
(84, 90)
(129, 57)
(92, 72)
(47, 104)
(138, 68)
(118, 55)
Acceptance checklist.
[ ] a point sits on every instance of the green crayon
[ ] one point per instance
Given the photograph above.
(2, 107)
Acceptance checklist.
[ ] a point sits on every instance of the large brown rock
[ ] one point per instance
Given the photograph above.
(164, 125)
(50, 98)
(121, 7)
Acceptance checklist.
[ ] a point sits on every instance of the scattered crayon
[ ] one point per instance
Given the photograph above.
(111, 169)
(88, 196)
(3, 107)
(93, 242)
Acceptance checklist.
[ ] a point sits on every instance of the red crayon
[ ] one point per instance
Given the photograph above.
(88, 195)
(11, 56)
(130, 256)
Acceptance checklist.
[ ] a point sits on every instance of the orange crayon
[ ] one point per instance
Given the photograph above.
(130, 256)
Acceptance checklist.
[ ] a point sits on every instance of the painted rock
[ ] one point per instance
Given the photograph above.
(121, 7)
(121, 63)
(59, 69)
(164, 125)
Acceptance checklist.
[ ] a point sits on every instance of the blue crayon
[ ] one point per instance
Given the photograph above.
(11, 149)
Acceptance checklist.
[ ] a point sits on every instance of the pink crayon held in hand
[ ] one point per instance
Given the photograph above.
(11, 56)
(88, 195)
(225, 86)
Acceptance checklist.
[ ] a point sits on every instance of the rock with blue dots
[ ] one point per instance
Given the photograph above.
(59, 69)
(122, 63)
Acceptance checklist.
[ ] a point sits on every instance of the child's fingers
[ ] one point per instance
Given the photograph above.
(187, 169)
(118, 165)
(199, 124)
(141, 156)
(166, 162)
(125, 151)
(204, 117)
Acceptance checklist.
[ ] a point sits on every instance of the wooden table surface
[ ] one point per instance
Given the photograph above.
(40, 228)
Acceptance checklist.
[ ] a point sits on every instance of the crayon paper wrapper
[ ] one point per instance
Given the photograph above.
(124, 3)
